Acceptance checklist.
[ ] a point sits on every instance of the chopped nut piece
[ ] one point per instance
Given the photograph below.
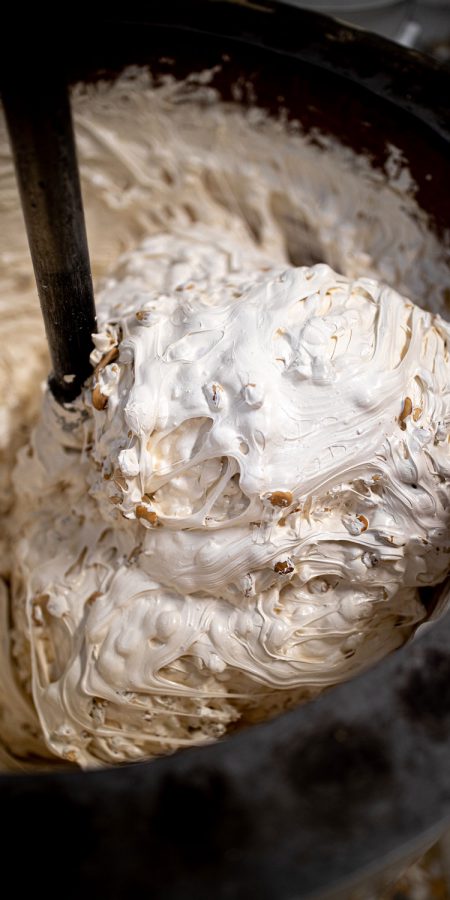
(39, 607)
(99, 401)
(70, 755)
(406, 411)
(281, 498)
(370, 559)
(417, 412)
(133, 556)
(143, 512)
(216, 390)
(108, 358)
(284, 567)
(364, 523)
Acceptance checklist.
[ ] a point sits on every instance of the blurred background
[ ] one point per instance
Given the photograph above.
(421, 24)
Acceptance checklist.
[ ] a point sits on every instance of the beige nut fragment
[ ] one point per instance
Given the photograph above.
(93, 597)
(417, 412)
(70, 755)
(143, 512)
(284, 567)
(39, 608)
(406, 411)
(108, 358)
(99, 400)
(282, 499)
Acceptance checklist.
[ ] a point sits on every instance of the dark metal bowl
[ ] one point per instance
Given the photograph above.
(332, 793)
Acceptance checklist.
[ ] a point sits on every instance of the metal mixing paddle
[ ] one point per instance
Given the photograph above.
(42, 138)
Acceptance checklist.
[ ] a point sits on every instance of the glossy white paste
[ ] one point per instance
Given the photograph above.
(238, 192)
(258, 485)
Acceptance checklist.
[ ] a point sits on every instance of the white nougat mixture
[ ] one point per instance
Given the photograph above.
(241, 508)
(245, 501)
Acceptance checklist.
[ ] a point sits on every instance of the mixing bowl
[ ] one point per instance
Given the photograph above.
(343, 791)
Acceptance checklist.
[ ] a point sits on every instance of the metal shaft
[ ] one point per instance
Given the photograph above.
(42, 138)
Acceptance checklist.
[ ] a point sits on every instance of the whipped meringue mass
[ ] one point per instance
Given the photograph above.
(242, 507)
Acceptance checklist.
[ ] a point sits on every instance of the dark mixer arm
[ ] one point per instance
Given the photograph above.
(41, 132)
